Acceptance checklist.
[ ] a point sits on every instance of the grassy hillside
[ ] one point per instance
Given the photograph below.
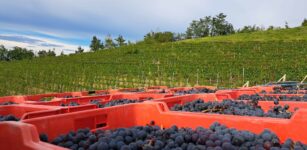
(226, 61)
(293, 34)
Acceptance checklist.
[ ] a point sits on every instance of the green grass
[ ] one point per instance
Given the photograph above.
(286, 35)
(264, 56)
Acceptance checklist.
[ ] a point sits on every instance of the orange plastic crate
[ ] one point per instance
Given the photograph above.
(133, 114)
(20, 110)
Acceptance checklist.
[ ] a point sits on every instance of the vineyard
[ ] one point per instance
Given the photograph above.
(226, 61)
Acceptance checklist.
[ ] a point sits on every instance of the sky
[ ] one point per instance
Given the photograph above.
(63, 25)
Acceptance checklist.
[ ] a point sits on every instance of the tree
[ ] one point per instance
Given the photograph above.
(109, 42)
(162, 37)
(286, 25)
(18, 53)
(203, 27)
(304, 23)
(129, 42)
(220, 26)
(249, 29)
(51, 53)
(159, 37)
(96, 44)
(3, 53)
(270, 28)
(209, 26)
(199, 28)
(79, 50)
(179, 36)
(44, 53)
(149, 37)
(120, 41)
(62, 53)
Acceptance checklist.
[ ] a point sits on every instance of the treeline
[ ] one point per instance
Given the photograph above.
(18, 53)
(207, 26)
(97, 44)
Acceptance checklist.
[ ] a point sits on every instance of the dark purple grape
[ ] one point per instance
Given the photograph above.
(151, 138)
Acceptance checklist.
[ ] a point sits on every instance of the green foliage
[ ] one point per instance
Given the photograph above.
(96, 44)
(159, 37)
(220, 26)
(18, 53)
(133, 51)
(249, 29)
(304, 23)
(265, 56)
(209, 26)
(286, 25)
(44, 53)
(273, 28)
(120, 41)
(62, 54)
(179, 36)
(109, 42)
(287, 35)
(79, 50)
(3, 53)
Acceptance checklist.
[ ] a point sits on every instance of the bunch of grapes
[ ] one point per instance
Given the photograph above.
(151, 137)
(8, 103)
(8, 118)
(286, 90)
(133, 90)
(232, 107)
(70, 104)
(195, 91)
(120, 102)
(97, 102)
(108, 104)
(272, 98)
(115, 102)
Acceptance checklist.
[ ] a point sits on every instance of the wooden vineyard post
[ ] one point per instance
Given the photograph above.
(246, 84)
(197, 82)
(283, 78)
(304, 79)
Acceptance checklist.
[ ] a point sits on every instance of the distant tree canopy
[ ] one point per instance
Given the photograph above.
(304, 23)
(17, 53)
(120, 41)
(109, 43)
(209, 26)
(249, 29)
(62, 54)
(159, 37)
(96, 44)
(3, 53)
(79, 50)
(286, 25)
(179, 36)
(44, 53)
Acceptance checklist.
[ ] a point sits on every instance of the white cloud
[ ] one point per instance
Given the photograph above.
(133, 18)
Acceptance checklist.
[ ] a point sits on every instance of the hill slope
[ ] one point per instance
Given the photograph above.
(291, 34)
(224, 61)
